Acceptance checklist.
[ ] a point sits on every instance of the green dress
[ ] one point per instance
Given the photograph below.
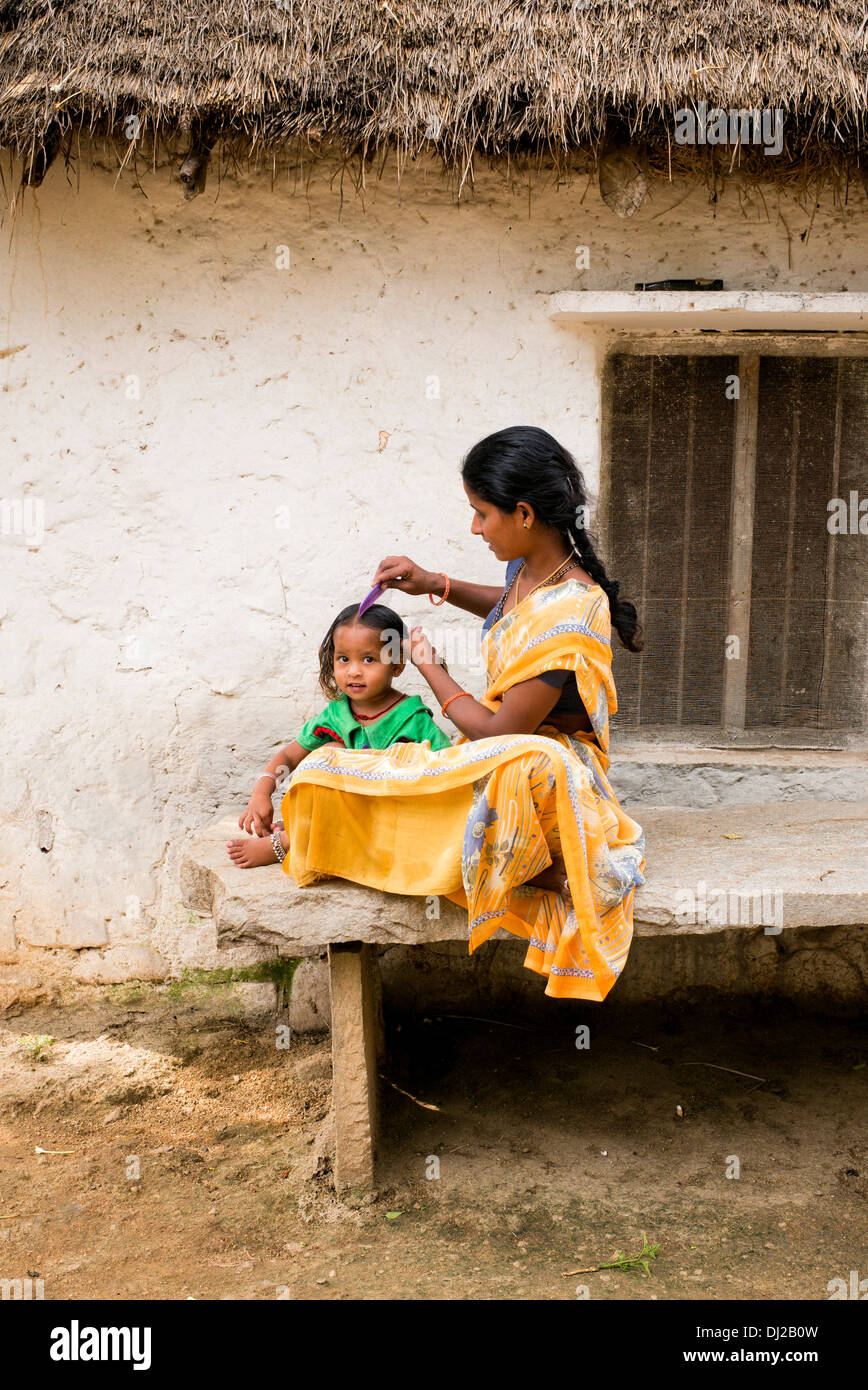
(409, 721)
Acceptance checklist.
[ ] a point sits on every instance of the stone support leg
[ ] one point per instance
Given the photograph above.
(356, 1030)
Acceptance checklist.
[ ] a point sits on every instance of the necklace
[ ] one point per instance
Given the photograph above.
(369, 718)
(567, 564)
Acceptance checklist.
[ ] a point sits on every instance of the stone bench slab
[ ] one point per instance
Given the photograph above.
(814, 853)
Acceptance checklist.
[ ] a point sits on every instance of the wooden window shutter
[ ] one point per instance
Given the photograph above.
(717, 526)
(671, 430)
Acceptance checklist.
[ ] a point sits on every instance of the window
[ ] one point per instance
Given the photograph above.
(719, 472)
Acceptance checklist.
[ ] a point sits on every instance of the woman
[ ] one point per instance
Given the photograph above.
(517, 821)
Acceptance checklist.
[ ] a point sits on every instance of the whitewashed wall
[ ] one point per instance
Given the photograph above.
(203, 431)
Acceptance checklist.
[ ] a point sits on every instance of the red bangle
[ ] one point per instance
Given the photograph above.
(456, 696)
(437, 601)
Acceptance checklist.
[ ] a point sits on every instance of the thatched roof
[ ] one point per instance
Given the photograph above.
(447, 76)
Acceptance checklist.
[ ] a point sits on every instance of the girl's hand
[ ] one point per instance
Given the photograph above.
(421, 651)
(399, 572)
(257, 818)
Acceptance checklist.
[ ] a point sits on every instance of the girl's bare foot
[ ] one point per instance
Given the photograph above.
(253, 853)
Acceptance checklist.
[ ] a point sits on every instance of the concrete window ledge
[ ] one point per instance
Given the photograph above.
(727, 311)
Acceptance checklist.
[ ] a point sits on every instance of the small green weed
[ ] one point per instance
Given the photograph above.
(37, 1046)
(624, 1262)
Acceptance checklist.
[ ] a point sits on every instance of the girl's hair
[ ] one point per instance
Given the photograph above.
(378, 618)
(525, 464)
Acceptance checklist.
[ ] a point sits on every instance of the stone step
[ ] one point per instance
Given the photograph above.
(666, 774)
(808, 858)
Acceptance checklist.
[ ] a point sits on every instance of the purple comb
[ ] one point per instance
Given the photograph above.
(369, 599)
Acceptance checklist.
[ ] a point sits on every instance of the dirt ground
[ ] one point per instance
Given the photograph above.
(196, 1168)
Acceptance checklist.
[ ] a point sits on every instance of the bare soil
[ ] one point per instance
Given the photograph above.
(197, 1165)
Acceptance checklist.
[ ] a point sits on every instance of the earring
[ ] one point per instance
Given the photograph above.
(527, 525)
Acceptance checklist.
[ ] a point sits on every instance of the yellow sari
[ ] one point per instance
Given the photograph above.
(475, 821)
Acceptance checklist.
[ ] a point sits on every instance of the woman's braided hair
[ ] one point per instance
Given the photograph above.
(525, 464)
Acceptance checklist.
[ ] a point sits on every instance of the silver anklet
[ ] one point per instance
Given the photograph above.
(278, 847)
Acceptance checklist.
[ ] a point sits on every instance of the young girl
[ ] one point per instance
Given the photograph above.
(364, 711)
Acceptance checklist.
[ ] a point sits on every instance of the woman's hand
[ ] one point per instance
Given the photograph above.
(400, 572)
(421, 651)
(257, 818)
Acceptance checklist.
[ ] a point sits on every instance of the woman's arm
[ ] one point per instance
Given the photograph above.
(400, 572)
(523, 708)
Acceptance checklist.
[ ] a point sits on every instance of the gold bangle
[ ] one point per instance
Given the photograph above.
(456, 696)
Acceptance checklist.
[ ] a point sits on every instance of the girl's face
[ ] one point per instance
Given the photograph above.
(504, 532)
(364, 665)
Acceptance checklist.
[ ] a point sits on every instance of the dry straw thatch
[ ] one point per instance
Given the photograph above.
(446, 76)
